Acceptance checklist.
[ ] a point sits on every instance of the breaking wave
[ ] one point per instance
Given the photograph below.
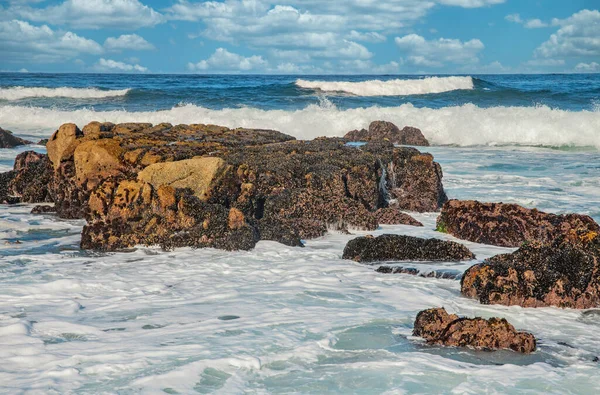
(466, 125)
(22, 92)
(395, 87)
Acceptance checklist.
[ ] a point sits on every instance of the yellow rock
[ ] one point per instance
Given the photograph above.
(199, 174)
(63, 142)
(96, 160)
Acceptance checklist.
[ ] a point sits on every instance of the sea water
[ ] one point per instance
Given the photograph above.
(294, 320)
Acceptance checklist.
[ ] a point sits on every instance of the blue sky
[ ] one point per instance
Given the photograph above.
(300, 36)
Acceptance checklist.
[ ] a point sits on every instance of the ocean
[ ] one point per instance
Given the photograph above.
(294, 320)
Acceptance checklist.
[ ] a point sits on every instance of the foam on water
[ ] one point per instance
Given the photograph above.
(464, 125)
(22, 92)
(307, 321)
(397, 87)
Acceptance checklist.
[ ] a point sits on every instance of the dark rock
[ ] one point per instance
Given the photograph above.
(210, 186)
(436, 326)
(42, 142)
(43, 209)
(404, 248)
(8, 140)
(507, 225)
(563, 274)
(393, 216)
(416, 272)
(29, 182)
(381, 130)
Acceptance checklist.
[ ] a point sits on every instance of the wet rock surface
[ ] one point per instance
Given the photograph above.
(564, 273)
(210, 186)
(382, 130)
(30, 180)
(416, 272)
(404, 248)
(8, 140)
(438, 327)
(394, 216)
(507, 225)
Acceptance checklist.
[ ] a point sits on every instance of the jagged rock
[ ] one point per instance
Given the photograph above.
(507, 225)
(563, 274)
(436, 326)
(393, 216)
(42, 142)
(416, 272)
(29, 182)
(404, 248)
(44, 209)
(381, 130)
(8, 140)
(210, 186)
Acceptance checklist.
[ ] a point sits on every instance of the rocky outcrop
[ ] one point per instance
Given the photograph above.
(436, 326)
(394, 216)
(8, 140)
(565, 273)
(30, 180)
(404, 248)
(209, 186)
(381, 130)
(507, 225)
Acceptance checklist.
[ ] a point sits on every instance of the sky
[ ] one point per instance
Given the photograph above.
(301, 36)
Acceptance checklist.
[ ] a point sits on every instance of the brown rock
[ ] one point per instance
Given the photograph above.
(198, 174)
(32, 178)
(436, 326)
(563, 274)
(62, 144)
(381, 130)
(393, 216)
(8, 140)
(404, 248)
(97, 160)
(507, 225)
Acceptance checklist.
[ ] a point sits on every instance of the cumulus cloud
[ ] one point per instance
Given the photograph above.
(93, 14)
(592, 67)
(471, 3)
(578, 36)
(436, 53)
(370, 37)
(109, 65)
(127, 41)
(224, 61)
(23, 42)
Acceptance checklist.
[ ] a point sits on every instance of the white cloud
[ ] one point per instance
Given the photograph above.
(224, 61)
(545, 62)
(535, 24)
(436, 53)
(371, 37)
(127, 41)
(529, 24)
(109, 65)
(94, 14)
(588, 67)
(23, 42)
(578, 36)
(471, 3)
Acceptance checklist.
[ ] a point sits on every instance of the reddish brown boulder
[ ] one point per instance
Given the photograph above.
(404, 248)
(9, 140)
(436, 326)
(381, 130)
(507, 225)
(565, 273)
(393, 216)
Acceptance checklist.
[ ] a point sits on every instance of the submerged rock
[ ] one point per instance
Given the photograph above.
(210, 186)
(436, 326)
(507, 225)
(404, 248)
(563, 274)
(381, 130)
(8, 140)
(393, 216)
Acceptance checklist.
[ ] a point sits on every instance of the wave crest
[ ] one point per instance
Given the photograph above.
(466, 125)
(395, 87)
(23, 92)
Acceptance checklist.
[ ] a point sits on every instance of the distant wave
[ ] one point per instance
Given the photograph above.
(391, 87)
(466, 125)
(22, 92)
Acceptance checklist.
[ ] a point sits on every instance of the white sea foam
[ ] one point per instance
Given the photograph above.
(395, 87)
(464, 125)
(22, 92)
